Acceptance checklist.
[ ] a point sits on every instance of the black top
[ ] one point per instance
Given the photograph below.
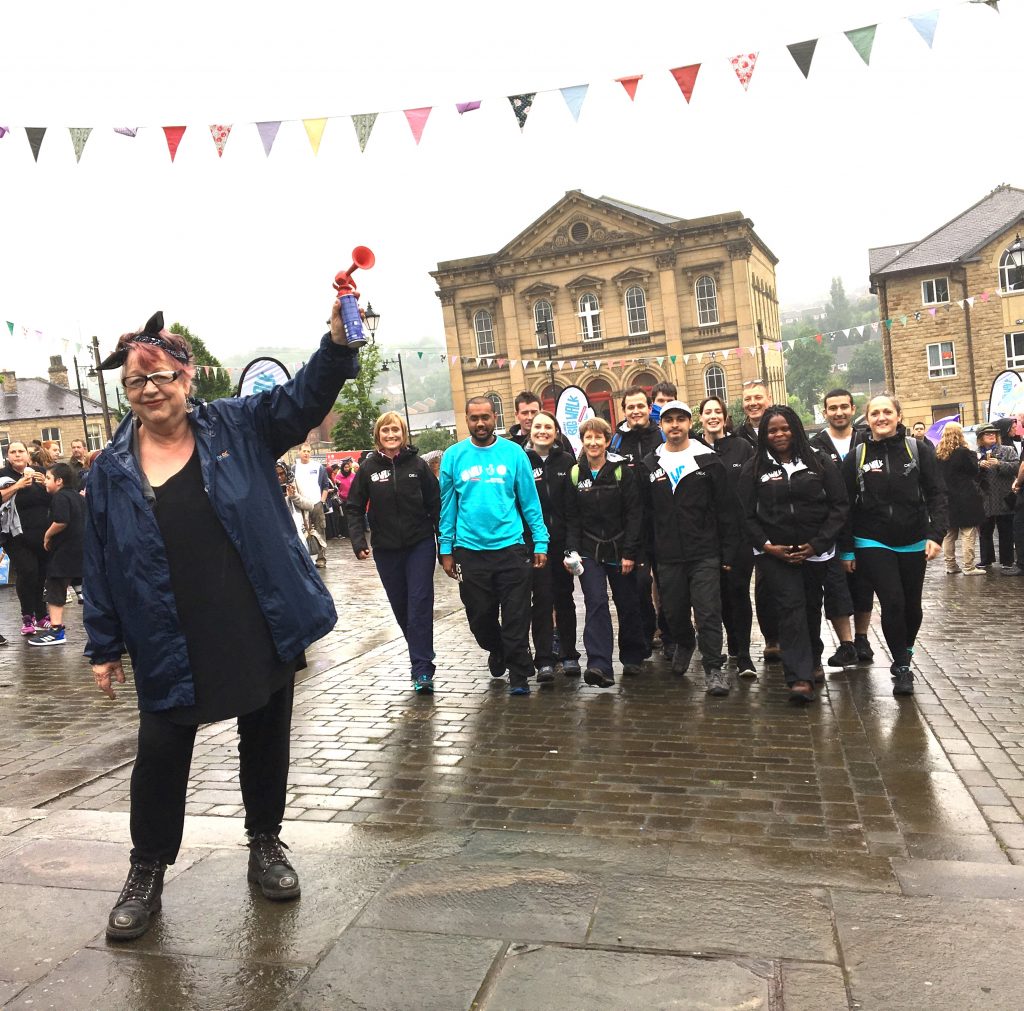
(234, 665)
(33, 505)
(67, 507)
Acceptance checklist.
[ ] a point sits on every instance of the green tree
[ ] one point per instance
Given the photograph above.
(838, 314)
(866, 364)
(206, 387)
(808, 367)
(806, 416)
(358, 407)
(433, 438)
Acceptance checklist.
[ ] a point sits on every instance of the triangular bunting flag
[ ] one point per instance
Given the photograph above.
(465, 107)
(561, 365)
(4, 131)
(79, 135)
(778, 345)
(803, 53)
(417, 119)
(630, 83)
(932, 310)
(960, 302)
(268, 133)
(220, 133)
(660, 360)
(744, 64)
(574, 98)
(363, 123)
(173, 135)
(35, 136)
(903, 319)
(790, 344)
(10, 326)
(862, 39)
(597, 363)
(699, 356)
(127, 131)
(315, 132)
(970, 301)
(419, 354)
(501, 363)
(925, 25)
(984, 296)
(686, 77)
(512, 363)
(686, 359)
(572, 364)
(753, 351)
(521, 105)
(818, 337)
(454, 359)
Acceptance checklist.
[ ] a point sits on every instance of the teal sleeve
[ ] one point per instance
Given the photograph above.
(446, 536)
(529, 504)
(847, 556)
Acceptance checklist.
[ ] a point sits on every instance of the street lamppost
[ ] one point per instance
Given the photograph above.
(81, 400)
(545, 329)
(103, 388)
(1015, 254)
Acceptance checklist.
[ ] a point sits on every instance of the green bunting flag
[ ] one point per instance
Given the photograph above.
(10, 326)
(862, 39)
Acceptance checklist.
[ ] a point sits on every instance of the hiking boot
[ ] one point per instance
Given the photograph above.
(571, 668)
(745, 667)
(772, 653)
(903, 681)
(270, 868)
(716, 682)
(423, 684)
(546, 675)
(681, 660)
(845, 656)
(28, 624)
(865, 654)
(598, 678)
(631, 669)
(138, 901)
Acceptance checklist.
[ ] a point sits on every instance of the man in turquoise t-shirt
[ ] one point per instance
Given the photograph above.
(487, 494)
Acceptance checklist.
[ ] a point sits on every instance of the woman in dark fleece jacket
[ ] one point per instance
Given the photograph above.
(603, 524)
(897, 522)
(405, 506)
(794, 507)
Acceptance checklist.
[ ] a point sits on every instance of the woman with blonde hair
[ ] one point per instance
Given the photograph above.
(404, 500)
(958, 467)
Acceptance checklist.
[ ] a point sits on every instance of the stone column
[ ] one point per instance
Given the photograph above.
(666, 263)
(451, 339)
(513, 348)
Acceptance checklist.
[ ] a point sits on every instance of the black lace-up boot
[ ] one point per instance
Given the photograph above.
(270, 868)
(138, 901)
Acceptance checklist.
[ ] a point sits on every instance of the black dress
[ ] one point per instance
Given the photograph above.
(235, 667)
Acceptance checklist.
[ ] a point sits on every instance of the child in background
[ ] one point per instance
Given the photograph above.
(63, 542)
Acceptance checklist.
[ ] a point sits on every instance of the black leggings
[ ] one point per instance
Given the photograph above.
(29, 560)
(897, 577)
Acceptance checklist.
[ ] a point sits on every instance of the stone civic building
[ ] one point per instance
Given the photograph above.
(621, 296)
(944, 360)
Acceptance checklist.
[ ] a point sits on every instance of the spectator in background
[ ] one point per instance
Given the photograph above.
(998, 465)
(79, 455)
(919, 430)
(313, 484)
(959, 471)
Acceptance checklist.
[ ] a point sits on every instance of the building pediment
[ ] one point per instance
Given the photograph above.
(631, 276)
(538, 291)
(584, 281)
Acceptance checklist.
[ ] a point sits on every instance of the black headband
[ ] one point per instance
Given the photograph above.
(150, 334)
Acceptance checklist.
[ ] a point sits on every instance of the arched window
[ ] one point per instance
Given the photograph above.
(483, 327)
(707, 301)
(636, 311)
(499, 411)
(544, 324)
(714, 383)
(645, 380)
(599, 393)
(1011, 277)
(590, 317)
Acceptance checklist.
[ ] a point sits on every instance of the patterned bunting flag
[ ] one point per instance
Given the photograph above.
(127, 131)
(220, 133)
(315, 132)
(926, 25)
(173, 135)
(35, 136)
(79, 135)
(465, 107)
(803, 53)
(574, 98)
(630, 83)
(363, 123)
(268, 133)
(521, 105)
(417, 119)
(744, 64)
(686, 77)
(862, 39)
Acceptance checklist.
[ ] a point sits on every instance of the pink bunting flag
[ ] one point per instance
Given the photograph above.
(630, 83)
(268, 134)
(744, 65)
(173, 135)
(417, 119)
(465, 107)
(984, 297)
(931, 311)
(220, 133)
(686, 77)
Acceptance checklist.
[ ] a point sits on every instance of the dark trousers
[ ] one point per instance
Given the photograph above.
(562, 586)
(838, 602)
(598, 639)
(645, 589)
(767, 608)
(861, 594)
(160, 777)
(495, 584)
(542, 621)
(1004, 524)
(408, 578)
(29, 561)
(696, 585)
(897, 578)
(798, 591)
(737, 614)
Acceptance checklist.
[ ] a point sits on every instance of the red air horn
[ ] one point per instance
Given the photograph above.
(351, 314)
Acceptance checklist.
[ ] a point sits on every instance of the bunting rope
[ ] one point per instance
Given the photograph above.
(742, 65)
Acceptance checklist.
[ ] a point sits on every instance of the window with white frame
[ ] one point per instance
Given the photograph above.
(94, 437)
(499, 411)
(544, 324)
(707, 301)
(483, 327)
(1011, 277)
(636, 311)
(5, 444)
(1015, 350)
(714, 383)
(941, 360)
(935, 291)
(50, 434)
(590, 317)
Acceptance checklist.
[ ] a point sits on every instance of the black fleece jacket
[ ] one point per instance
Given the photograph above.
(603, 514)
(554, 486)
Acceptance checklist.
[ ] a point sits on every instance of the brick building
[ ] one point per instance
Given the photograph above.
(602, 281)
(47, 409)
(943, 361)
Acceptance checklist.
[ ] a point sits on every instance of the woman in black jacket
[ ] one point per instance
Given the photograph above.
(961, 474)
(552, 584)
(603, 524)
(794, 507)
(897, 521)
(404, 499)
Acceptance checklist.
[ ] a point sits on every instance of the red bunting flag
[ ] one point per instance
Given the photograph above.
(173, 135)
(630, 83)
(686, 77)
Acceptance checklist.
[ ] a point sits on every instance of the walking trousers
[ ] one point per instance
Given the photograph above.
(407, 575)
(598, 638)
(160, 777)
(798, 591)
(694, 584)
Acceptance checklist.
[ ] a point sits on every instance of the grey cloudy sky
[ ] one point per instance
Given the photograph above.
(243, 249)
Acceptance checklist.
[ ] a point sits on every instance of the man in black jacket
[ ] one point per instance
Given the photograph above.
(692, 524)
(527, 406)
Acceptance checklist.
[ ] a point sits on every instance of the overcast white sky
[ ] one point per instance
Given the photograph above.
(243, 249)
